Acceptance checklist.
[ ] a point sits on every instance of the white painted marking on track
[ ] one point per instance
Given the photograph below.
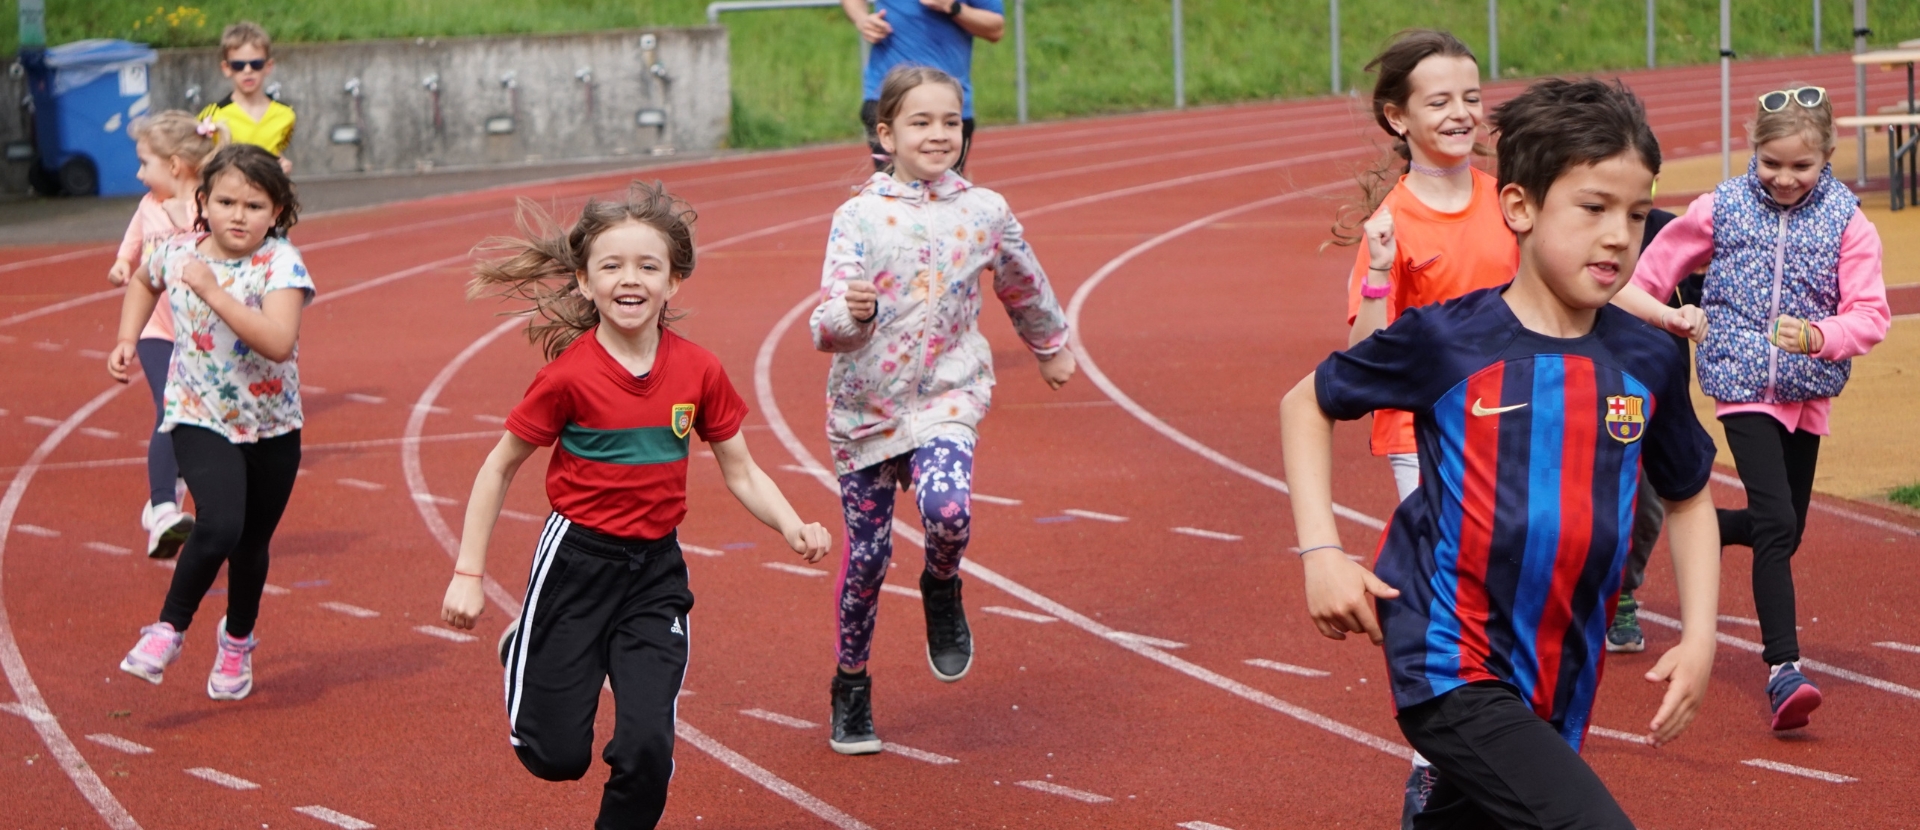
(1089, 514)
(41, 421)
(103, 547)
(776, 717)
(1733, 620)
(759, 775)
(333, 817)
(1200, 825)
(1143, 639)
(119, 743)
(519, 516)
(816, 472)
(350, 610)
(1805, 663)
(48, 345)
(96, 432)
(1207, 534)
(1906, 647)
(1006, 502)
(1051, 788)
(445, 633)
(702, 551)
(919, 754)
(28, 712)
(900, 589)
(1615, 734)
(430, 498)
(361, 484)
(310, 389)
(788, 567)
(231, 782)
(1289, 668)
(93, 354)
(358, 397)
(1803, 772)
(36, 530)
(166, 563)
(433, 410)
(274, 590)
(1018, 614)
(490, 419)
(1824, 507)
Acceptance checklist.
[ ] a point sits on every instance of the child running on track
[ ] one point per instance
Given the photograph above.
(1536, 407)
(1793, 293)
(1437, 234)
(912, 376)
(237, 289)
(172, 148)
(608, 600)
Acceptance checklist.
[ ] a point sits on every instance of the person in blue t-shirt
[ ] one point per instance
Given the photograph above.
(936, 33)
(1537, 406)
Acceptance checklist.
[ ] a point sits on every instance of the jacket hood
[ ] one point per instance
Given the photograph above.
(886, 186)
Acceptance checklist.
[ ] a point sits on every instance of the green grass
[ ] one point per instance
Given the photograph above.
(1908, 495)
(796, 73)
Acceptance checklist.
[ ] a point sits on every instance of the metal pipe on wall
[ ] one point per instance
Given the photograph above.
(1816, 27)
(1726, 89)
(1179, 61)
(1860, 33)
(1493, 38)
(1650, 34)
(1020, 57)
(1333, 38)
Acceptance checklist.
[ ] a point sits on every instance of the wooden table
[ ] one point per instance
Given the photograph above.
(1900, 146)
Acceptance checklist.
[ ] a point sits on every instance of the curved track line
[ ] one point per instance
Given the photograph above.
(58, 744)
(759, 775)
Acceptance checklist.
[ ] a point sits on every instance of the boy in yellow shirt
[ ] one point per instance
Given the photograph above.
(249, 115)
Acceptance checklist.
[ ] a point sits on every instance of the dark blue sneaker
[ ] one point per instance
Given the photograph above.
(1624, 635)
(1793, 696)
(1419, 787)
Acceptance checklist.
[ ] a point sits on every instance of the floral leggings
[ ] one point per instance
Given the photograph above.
(942, 481)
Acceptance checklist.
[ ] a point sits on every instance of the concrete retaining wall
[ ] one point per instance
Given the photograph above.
(549, 98)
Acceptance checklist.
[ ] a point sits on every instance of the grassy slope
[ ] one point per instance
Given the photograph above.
(795, 73)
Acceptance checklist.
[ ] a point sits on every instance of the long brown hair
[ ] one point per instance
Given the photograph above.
(542, 265)
(1393, 84)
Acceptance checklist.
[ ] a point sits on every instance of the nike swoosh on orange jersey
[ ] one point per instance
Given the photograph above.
(1483, 411)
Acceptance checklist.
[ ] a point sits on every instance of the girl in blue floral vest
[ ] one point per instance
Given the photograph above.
(1793, 293)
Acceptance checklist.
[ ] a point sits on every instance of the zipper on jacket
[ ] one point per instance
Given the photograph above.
(1773, 312)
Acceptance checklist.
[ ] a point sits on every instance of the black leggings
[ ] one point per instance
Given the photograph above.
(240, 490)
(155, 356)
(1776, 466)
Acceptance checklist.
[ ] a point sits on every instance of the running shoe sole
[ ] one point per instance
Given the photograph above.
(1634, 647)
(951, 678)
(872, 747)
(141, 672)
(172, 539)
(1793, 713)
(239, 694)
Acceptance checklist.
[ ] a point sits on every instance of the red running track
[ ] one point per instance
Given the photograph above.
(1137, 538)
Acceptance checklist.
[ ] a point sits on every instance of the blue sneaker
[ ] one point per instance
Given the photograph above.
(1793, 696)
(1419, 787)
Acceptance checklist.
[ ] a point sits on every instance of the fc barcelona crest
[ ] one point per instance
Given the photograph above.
(683, 419)
(1626, 418)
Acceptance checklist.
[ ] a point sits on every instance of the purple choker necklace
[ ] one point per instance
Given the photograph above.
(1439, 172)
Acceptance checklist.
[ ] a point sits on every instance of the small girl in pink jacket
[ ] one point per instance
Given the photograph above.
(172, 148)
(912, 376)
(1793, 293)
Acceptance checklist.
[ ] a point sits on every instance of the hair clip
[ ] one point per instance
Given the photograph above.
(206, 127)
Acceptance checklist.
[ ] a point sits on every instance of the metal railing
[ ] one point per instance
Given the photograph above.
(714, 9)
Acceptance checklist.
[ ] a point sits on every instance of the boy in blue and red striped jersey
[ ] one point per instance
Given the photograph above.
(1537, 406)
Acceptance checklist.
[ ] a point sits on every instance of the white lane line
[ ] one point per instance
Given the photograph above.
(359, 484)
(48, 345)
(274, 590)
(1200, 825)
(1143, 639)
(788, 567)
(357, 397)
(93, 354)
(350, 610)
(231, 782)
(520, 517)
(919, 754)
(36, 530)
(429, 498)
(116, 742)
(1615, 734)
(902, 591)
(490, 419)
(310, 389)
(1289, 668)
(770, 409)
(808, 471)
(433, 410)
(41, 421)
(1051, 788)
(1089, 514)
(759, 775)
(1823, 507)
(103, 547)
(776, 717)
(994, 500)
(1805, 663)
(1803, 772)
(1906, 647)
(333, 817)
(1733, 620)
(30, 713)
(1018, 614)
(701, 551)
(96, 432)
(445, 633)
(1206, 534)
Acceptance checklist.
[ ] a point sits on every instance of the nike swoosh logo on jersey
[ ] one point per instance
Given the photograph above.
(1482, 411)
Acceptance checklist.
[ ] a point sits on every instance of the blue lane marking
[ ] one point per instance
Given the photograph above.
(311, 583)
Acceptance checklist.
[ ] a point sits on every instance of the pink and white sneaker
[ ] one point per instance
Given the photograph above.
(232, 677)
(159, 646)
(167, 529)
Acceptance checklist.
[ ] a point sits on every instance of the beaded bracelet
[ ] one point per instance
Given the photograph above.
(1322, 547)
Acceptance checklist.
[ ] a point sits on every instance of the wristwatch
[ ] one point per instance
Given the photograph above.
(954, 11)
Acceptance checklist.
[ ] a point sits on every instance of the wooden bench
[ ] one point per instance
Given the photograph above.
(1903, 132)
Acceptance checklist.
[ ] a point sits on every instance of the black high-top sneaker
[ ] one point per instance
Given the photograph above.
(949, 641)
(853, 715)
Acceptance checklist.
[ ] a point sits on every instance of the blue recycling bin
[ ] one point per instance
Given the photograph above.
(85, 94)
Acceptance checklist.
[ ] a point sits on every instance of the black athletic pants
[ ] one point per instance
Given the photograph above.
(870, 117)
(600, 608)
(155, 357)
(1497, 764)
(239, 492)
(1776, 466)
(1649, 515)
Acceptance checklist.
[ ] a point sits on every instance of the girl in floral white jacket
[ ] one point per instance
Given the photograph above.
(912, 376)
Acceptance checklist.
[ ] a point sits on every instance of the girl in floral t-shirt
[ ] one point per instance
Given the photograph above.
(912, 376)
(237, 289)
